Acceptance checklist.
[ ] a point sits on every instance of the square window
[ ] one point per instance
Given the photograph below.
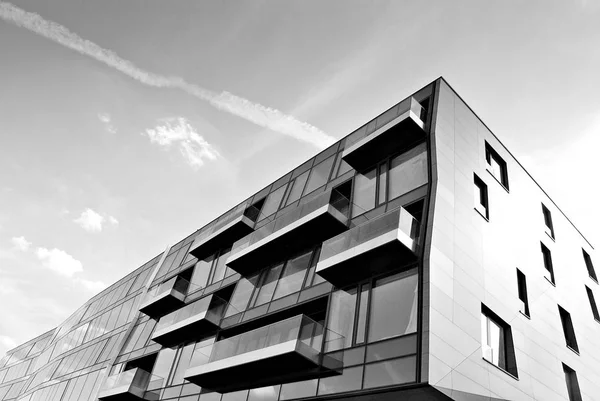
(496, 165)
(548, 221)
(589, 265)
(569, 332)
(497, 343)
(481, 197)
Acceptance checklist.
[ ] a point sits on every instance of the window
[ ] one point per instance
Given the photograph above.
(522, 286)
(548, 221)
(567, 325)
(589, 265)
(593, 305)
(319, 175)
(364, 192)
(481, 197)
(547, 258)
(408, 171)
(496, 165)
(497, 343)
(572, 384)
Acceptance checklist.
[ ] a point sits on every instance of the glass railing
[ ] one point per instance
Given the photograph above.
(176, 283)
(134, 379)
(397, 219)
(404, 106)
(299, 328)
(212, 305)
(243, 209)
(304, 208)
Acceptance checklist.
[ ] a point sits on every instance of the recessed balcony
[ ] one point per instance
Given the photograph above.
(190, 322)
(289, 350)
(384, 243)
(309, 223)
(131, 385)
(165, 297)
(235, 225)
(408, 127)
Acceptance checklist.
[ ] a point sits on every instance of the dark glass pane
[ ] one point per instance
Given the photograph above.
(349, 380)
(201, 272)
(392, 348)
(383, 183)
(268, 285)
(319, 175)
(272, 203)
(290, 391)
(362, 314)
(219, 269)
(297, 188)
(364, 192)
(408, 171)
(393, 309)
(397, 371)
(293, 275)
(241, 295)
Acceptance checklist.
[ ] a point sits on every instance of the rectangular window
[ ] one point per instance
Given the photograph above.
(547, 257)
(408, 171)
(522, 286)
(364, 192)
(572, 384)
(481, 197)
(593, 305)
(497, 343)
(548, 221)
(567, 325)
(589, 265)
(496, 165)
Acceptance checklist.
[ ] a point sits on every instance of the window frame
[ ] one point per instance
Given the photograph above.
(522, 291)
(482, 206)
(492, 155)
(573, 390)
(548, 265)
(590, 266)
(568, 329)
(510, 363)
(593, 303)
(548, 222)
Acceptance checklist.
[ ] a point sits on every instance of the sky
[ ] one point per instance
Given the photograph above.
(125, 126)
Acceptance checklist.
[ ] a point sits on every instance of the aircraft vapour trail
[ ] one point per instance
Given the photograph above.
(258, 114)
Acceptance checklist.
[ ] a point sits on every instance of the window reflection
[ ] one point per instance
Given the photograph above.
(293, 275)
(408, 171)
(341, 319)
(268, 285)
(319, 175)
(272, 203)
(364, 192)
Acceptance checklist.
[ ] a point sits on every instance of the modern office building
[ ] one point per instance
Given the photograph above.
(415, 259)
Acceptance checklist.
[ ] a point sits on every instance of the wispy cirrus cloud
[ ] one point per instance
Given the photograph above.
(106, 120)
(93, 222)
(180, 133)
(256, 113)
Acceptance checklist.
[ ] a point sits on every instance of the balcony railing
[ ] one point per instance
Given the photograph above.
(365, 147)
(313, 220)
(201, 316)
(165, 297)
(229, 228)
(386, 242)
(134, 384)
(284, 351)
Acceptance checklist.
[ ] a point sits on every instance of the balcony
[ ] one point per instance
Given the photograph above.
(362, 151)
(311, 222)
(233, 226)
(382, 244)
(132, 385)
(285, 351)
(164, 298)
(190, 322)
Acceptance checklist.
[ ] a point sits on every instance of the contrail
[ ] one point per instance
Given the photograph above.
(256, 113)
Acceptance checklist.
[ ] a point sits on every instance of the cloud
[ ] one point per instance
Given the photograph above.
(59, 261)
(179, 132)
(7, 342)
(256, 113)
(20, 243)
(92, 286)
(92, 221)
(107, 121)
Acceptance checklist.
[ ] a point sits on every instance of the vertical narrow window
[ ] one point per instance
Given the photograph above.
(408, 171)
(547, 257)
(572, 384)
(589, 265)
(364, 192)
(342, 307)
(497, 343)
(481, 197)
(382, 184)
(567, 325)
(496, 165)
(548, 221)
(593, 305)
(522, 286)
(363, 304)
